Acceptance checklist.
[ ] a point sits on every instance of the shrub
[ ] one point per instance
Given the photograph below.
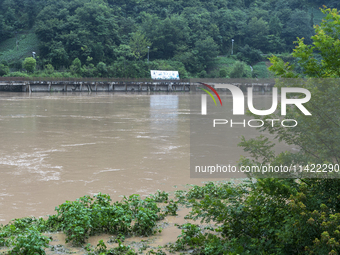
(261, 70)
(4, 70)
(49, 69)
(223, 73)
(17, 74)
(76, 66)
(102, 69)
(88, 70)
(249, 55)
(240, 70)
(17, 65)
(202, 74)
(30, 242)
(29, 64)
(88, 216)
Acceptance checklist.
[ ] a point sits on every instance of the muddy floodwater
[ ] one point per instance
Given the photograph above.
(57, 147)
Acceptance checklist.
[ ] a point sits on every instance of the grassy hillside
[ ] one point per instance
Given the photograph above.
(318, 15)
(27, 43)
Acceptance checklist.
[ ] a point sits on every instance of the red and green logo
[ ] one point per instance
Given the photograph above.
(208, 92)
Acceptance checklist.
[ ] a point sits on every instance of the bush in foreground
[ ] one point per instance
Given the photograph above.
(270, 216)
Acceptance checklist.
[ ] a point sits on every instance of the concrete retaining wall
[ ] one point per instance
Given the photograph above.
(93, 86)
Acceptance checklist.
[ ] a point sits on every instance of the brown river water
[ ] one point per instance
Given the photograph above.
(57, 147)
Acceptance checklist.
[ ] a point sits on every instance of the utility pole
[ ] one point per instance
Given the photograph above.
(148, 53)
(232, 46)
(16, 40)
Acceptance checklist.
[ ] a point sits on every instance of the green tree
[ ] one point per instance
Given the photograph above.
(3, 69)
(249, 55)
(240, 70)
(310, 221)
(279, 215)
(258, 30)
(57, 54)
(102, 69)
(232, 24)
(29, 64)
(206, 50)
(4, 29)
(275, 26)
(223, 73)
(49, 69)
(319, 136)
(76, 66)
(320, 59)
(123, 51)
(297, 25)
(139, 45)
(173, 33)
(77, 29)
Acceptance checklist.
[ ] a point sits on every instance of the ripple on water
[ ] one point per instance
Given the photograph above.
(33, 163)
(107, 170)
(77, 144)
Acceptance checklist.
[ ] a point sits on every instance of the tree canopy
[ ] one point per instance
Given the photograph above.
(307, 204)
(174, 30)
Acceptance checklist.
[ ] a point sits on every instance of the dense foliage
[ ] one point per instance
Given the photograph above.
(308, 207)
(260, 216)
(88, 216)
(193, 33)
(269, 216)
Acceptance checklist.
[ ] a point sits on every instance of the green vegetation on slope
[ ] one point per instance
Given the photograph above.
(27, 43)
(116, 34)
(263, 216)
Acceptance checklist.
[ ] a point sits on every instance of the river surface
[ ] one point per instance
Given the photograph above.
(58, 147)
